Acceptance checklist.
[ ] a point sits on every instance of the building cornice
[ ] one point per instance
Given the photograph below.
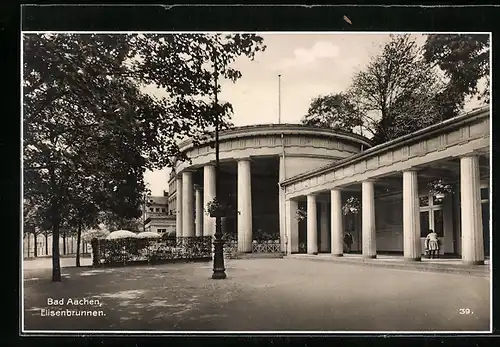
(278, 129)
(416, 136)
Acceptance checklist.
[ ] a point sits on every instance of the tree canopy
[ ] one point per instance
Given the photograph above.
(408, 87)
(465, 60)
(335, 111)
(391, 84)
(90, 131)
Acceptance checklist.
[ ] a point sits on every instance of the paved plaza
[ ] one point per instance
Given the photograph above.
(258, 295)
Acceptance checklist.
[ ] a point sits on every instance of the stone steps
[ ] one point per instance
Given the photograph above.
(255, 255)
(475, 270)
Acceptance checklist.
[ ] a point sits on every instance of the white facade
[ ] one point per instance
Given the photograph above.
(254, 159)
(392, 181)
(318, 169)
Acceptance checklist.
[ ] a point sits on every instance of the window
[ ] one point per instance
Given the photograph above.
(424, 200)
(161, 231)
(157, 209)
(438, 222)
(424, 223)
(151, 209)
(431, 215)
(162, 210)
(484, 194)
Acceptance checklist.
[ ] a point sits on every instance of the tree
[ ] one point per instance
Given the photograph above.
(111, 221)
(83, 210)
(86, 116)
(30, 217)
(333, 111)
(393, 78)
(464, 58)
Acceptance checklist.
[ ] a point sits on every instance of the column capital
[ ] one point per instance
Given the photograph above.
(244, 159)
(411, 169)
(210, 164)
(198, 186)
(372, 180)
(470, 154)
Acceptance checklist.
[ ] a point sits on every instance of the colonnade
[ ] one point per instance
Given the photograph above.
(471, 219)
(192, 201)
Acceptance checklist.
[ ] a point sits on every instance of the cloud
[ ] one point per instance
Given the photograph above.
(307, 56)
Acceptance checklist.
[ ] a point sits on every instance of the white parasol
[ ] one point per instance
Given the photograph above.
(148, 235)
(121, 234)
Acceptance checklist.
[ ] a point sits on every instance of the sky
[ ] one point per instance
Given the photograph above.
(310, 65)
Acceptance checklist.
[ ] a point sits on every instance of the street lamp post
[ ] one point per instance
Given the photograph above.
(219, 271)
(144, 212)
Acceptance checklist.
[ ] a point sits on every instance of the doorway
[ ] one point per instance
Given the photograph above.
(485, 212)
(431, 218)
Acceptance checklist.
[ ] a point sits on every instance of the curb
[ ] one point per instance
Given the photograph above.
(458, 269)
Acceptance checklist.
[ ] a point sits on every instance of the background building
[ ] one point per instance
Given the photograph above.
(158, 218)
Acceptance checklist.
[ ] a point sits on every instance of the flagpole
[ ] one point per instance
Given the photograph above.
(279, 99)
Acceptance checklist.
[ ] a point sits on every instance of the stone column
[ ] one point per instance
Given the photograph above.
(281, 198)
(178, 207)
(312, 225)
(472, 222)
(187, 204)
(368, 222)
(323, 227)
(447, 246)
(208, 195)
(292, 226)
(199, 210)
(244, 206)
(411, 216)
(337, 238)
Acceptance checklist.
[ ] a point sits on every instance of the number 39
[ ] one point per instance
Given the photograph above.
(464, 311)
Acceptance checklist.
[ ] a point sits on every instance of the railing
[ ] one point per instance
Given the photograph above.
(231, 249)
(258, 246)
(266, 246)
(133, 251)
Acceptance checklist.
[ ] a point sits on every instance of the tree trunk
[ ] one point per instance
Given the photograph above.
(35, 253)
(64, 242)
(46, 244)
(56, 261)
(78, 241)
(28, 234)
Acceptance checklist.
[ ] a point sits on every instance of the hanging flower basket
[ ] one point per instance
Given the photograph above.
(351, 206)
(301, 214)
(216, 209)
(439, 189)
(440, 196)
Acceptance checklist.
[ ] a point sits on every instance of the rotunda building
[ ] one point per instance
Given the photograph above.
(253, 161)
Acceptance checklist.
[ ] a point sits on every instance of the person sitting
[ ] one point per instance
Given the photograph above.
(432, 241)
